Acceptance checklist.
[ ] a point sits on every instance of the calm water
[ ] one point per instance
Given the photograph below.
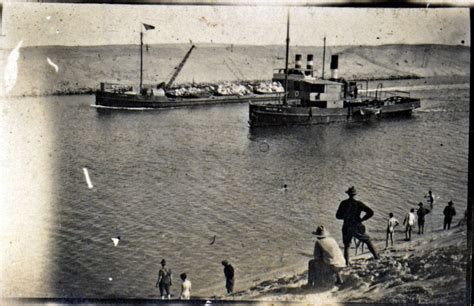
(167, 182)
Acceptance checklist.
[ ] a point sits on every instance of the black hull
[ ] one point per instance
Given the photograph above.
(123, 101)
(275, 115)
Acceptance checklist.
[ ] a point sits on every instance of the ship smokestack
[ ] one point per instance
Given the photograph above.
(298, 61)
(309, 65)
(334, 66)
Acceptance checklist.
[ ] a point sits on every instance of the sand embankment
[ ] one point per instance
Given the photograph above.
(429, 269)
(81, 69)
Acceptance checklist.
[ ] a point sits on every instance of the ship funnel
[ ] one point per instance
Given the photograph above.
(334, 66)
(298, 61)
(309, 65)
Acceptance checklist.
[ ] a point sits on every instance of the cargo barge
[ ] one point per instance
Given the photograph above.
(163, 96)
(107, 97)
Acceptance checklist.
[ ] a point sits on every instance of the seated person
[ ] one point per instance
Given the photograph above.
(328, 260)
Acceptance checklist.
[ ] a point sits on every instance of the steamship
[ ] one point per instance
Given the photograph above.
(308, 100)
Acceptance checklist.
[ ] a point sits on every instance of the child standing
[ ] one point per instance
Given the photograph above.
(185, 287)
(430, 199)
(392, 223)
(409, 222)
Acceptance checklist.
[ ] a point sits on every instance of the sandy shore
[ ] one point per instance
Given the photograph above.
(429, 269)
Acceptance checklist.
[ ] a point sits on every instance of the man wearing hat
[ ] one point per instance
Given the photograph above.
(449, 212)
(327, 254)
(421, 212)
(164, 280)
(349, 210)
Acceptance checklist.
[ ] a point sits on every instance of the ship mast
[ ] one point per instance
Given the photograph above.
(147, 27)
(141, 61)
(324, 55)
(285, 97)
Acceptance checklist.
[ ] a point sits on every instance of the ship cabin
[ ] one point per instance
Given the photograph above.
(294, 75)
(325, 93)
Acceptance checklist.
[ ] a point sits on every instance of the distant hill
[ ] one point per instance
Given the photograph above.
(81, 69)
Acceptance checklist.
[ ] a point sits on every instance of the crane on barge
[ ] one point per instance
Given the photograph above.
(178, 68)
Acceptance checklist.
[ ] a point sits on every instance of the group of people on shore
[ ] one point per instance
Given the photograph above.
(409, 222)
(328, 255)
(164, 281)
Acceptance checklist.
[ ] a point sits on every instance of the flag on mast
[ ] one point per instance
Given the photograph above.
(148, 26)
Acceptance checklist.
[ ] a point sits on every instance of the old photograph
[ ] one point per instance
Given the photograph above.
(247, 151)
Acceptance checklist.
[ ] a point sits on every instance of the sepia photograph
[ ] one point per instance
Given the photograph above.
(293, 152)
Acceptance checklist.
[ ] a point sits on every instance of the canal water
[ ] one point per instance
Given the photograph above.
(167, 182)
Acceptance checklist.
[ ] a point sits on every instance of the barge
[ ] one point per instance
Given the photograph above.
(162, 96)
(109, 97)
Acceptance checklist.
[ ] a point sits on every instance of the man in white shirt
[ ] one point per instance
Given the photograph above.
(409, 222)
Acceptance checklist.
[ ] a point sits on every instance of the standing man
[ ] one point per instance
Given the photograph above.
(392, 223)
(349, 210)
(164, 280)
(409, 222)
(229, 276)
(449, 212)
(421, 212)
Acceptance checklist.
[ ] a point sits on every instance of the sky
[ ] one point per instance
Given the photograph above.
(102, 24)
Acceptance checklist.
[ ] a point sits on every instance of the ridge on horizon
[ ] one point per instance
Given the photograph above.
(220, 45)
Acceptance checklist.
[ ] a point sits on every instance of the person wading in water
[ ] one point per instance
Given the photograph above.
(430, 199)
(349, 210)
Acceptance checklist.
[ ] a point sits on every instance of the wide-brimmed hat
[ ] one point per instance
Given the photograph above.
(420, 204)
(320, 232)
(163, 262)
(450, 203)
(351, 191)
